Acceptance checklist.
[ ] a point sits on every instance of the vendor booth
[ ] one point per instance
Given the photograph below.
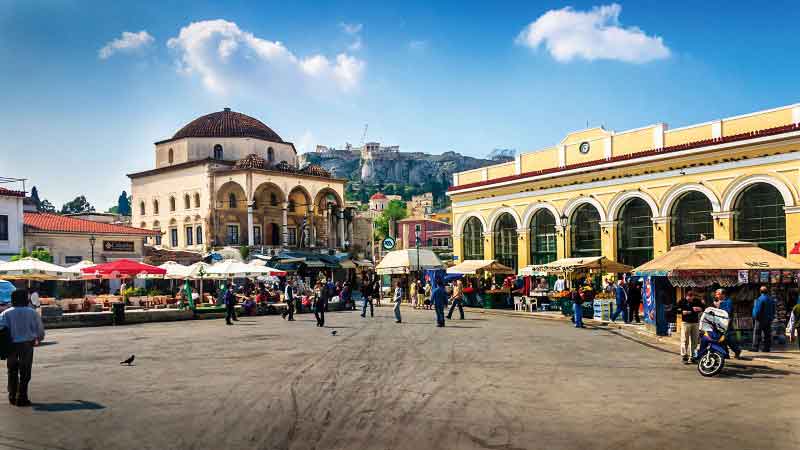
(739, 267)
(480, 288)
(406, 265)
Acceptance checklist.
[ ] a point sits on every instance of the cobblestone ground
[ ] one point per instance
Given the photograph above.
(488, 382)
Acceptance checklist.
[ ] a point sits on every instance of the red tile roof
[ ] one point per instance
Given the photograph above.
(377, 196)
(64, 224)
(10, 193)
(631, 156)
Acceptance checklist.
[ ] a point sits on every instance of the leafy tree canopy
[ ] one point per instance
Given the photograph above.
(41, 255)
(395, 210)
(78, 205)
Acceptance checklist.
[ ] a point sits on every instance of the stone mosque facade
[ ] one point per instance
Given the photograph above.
(227, 179)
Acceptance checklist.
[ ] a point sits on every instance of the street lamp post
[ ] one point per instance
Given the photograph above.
(564, 222)
(417, 230)
(92, 240)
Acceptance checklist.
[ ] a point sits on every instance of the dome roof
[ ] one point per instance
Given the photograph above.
(227, 123)
(316, 170)
(378, 196)
(251, 161)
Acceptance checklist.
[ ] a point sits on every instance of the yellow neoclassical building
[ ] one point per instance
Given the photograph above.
(630, 195)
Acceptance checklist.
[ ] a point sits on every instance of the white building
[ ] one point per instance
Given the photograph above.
(11, 223)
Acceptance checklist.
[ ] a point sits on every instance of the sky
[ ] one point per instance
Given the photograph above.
(86, 88)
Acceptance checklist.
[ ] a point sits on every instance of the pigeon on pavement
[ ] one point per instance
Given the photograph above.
(129, 361)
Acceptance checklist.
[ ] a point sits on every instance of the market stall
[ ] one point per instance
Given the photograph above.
(406, 265)
(577, 272)
(479, 277)
(739, 267)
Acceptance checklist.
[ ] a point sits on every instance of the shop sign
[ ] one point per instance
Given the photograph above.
(743, 277)
(388, 243)
(118, 246)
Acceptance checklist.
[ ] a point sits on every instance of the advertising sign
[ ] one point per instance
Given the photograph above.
(649, 297)
(118, 246)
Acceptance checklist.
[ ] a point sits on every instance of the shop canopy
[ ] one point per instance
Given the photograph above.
(714, 257)
(122, 268)
(473, 266)
(410, 260)
(34, 269)
(235, 269)
(576, 265)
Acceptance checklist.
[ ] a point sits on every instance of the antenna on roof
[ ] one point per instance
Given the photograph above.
(364, 134)
(587, 124)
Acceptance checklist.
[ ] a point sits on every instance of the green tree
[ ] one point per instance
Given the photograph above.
(124, 204)
(78, 205)
(35, 198)
(395, 210)
(41, 255)
(47, 207)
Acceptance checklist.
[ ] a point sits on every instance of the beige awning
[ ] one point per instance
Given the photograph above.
(364, 263)
(409, 260)
(715, 255)
(473, 266)
(576, 264)
(33, 269)
(347, 264)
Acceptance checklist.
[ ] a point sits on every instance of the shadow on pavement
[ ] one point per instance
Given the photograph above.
(75, 405)
(46, 343)
(752, 371)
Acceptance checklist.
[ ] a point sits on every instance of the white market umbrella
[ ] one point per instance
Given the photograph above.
(405, 261)
(35, 269)
(83, 264)
(175, 271)
(235, 269)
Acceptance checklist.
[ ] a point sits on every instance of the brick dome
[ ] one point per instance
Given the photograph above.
(227, 123)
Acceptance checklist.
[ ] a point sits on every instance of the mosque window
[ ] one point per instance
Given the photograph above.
(218, 151)
(170, 156)
(270, 155)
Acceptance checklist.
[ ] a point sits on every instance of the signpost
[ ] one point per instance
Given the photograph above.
(388, 243)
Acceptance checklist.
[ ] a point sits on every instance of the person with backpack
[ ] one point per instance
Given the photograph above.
(763, 314)
(24, 328)
(289, 298)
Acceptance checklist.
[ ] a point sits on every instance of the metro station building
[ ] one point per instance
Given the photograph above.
(630, 195)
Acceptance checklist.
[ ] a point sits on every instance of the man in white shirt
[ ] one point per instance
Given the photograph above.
(25, 328)
(560, 284)
(35, 303)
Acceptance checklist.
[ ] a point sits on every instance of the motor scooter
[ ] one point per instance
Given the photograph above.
(713, 349)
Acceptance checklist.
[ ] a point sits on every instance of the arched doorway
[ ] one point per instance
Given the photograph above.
(472, 239)
(543, 237)
(585, 232)
(505, 240)
(635, 233)
(691, 219)
(760, 218)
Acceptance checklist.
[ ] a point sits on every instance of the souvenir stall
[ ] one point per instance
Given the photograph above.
(475, 273)
(741, 268)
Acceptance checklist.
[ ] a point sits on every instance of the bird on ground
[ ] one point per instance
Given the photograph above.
(129, 361)
(333, 333)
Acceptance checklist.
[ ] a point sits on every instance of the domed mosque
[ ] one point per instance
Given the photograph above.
(227, 179)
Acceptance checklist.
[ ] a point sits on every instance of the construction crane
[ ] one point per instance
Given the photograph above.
(364, 134)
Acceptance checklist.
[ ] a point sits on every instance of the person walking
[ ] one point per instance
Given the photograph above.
(289, 297)
(325, 293)
(439, 300)
(377, 293)
(230, 306)
(689, 308)
(428, 291)
(24, 327)
(724, 302)
(346, 296)
(796, 319)
(412, 294)
(621, 294)
(398, 298)
(366, 297)
(634, 301)
(763, 314)
(578, 298)
(457, 300)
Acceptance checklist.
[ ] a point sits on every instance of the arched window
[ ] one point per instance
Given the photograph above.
(199, 235)
(505, 241)
(196, 200)
(473, 239)
(170, 156)
(635, 233)
(760, 218)
(691, 219)
(217, 151)
(585, 232)
(270, 155)
(142, 209)
(172, 203)
(187, 201)
(155, 206)
(543, 237)
(231, 200)
(273, 199)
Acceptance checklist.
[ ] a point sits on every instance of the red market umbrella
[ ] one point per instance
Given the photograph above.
(122, 268)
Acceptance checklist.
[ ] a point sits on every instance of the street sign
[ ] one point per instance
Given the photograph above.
(388, 243)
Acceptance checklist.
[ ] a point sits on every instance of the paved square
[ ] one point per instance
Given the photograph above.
(488, 382)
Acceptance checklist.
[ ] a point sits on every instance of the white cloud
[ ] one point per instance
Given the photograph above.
(356, 45)
(418, 45)
(306, 143)
(128, 42)
(351, 28)
(597, 34)
(223, 56)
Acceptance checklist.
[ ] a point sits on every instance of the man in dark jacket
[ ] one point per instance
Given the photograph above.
(621, 294)
(439, 300)
(25, 328)
(634, 301)
(366, 298)
(230, 306)
(578, 297)
(289, 297)
(763, 314)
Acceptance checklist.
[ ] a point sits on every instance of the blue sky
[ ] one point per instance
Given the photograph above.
(428, 76)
